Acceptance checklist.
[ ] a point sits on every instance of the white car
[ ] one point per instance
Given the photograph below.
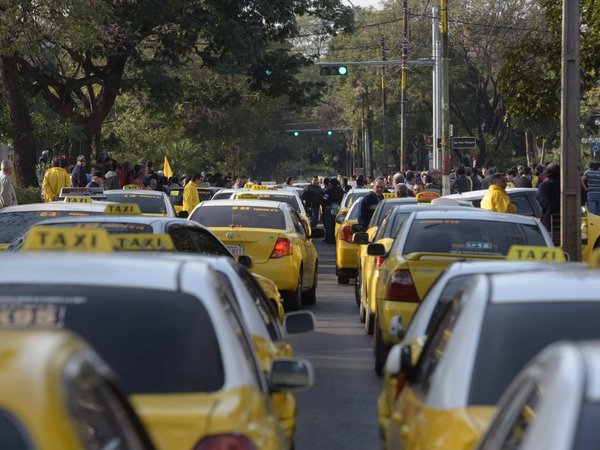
(154, 203)
(524, 199)
(170, 328)
(554, 403)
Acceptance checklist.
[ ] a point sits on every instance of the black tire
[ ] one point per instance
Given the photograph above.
(379, 349)
(292, 300)
(357, 287)
(369, 322)
(343, 278)
(362, 314)
(310, 297)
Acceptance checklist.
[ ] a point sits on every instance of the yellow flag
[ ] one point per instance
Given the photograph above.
(167, 171)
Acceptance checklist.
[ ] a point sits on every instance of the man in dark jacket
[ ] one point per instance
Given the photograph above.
(549, 195)
(461, 183)
(333, 196)
(312, 196)
(369, 202)
(78, 176)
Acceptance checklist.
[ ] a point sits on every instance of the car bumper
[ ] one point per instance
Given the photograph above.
(282, 271)
(346, 255)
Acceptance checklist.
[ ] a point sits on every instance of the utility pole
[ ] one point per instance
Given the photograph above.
(384, 110)
(435, 45)
(570, 237)
(367, 136)
(445, 98)
(403, 87)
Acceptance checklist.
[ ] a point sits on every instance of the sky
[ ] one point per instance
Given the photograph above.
(363, 3)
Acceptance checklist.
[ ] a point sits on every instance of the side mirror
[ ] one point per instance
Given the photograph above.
(396, 328)
(317, 233)
(360, 238)
(291, 374)
(299, 322)
(183, 214)
(376, 250)
(399, 361)
(245, 261)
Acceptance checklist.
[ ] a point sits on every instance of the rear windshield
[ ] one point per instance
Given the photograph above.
(158, 342)
(205, 194)
(275, 197)
(349, 199)
(513, 333)
(239, 216)
(485, 237)
(149, 204)
(12, 433)
(111, 227)
(14, 223)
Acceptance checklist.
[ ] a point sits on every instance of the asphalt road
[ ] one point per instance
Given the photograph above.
(340, 411)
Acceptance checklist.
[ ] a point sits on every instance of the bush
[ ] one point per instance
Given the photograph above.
(28, 195)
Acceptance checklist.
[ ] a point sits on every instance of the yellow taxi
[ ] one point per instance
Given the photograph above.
(450, 395)
(427, 242)
(274, 236)
(152, 203)
(346, 250)
(590, 235)
(54, 389)
(205, 192)
(350, 198)
(444, 290)
(270, 290)
(178, 340)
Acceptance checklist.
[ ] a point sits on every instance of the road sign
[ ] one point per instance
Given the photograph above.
(595, 148)
(591, 140)
(464, 143)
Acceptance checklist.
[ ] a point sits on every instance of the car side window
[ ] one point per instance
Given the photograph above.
(509, 428)
(206, 242)
(523, 205)
(452, 291)
(435, 346)
(298, 223)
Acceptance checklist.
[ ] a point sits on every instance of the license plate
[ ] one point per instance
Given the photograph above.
(235, 250)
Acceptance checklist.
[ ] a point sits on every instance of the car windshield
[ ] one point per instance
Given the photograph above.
(158, 342)
(291, 200)
(469, 236)
(239, 216)
(513, 333)
(149, 204)
(14, 223)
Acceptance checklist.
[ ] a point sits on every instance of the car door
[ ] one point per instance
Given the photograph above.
(309, 254)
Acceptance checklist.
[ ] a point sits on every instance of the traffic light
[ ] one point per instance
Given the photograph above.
(268, 72)
(333, 69)
(295, 133)
(329, 133)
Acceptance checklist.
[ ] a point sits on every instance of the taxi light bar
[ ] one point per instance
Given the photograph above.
(283, 247)
(345, 233)
(225, 442)
(402, 288)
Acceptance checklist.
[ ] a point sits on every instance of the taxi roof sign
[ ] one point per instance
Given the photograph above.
(535, 253)
(77, 199)
(144, 242)
(263, 187)
(128, 187)
(247, 196)
(93, 192)
(426, 196)
(45, 238)
(387, 195)
(122, 209)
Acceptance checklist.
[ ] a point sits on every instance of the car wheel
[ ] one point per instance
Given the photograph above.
(293, 299)
(362, 313)
(379, 349)
(369, 321)
(310, 296)
(343, 278)
(357, 287)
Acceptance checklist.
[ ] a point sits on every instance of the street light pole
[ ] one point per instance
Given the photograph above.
(384, 110)
(445, 98)
(435, 45)
(403, 87)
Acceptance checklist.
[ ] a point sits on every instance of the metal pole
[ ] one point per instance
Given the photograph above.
(384, 110)
(403, 87)
(570, 236)
(445, 98)
(436, 85)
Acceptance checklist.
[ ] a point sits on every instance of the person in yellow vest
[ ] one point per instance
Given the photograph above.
(55, 179)
(496, 198)
(190, 193)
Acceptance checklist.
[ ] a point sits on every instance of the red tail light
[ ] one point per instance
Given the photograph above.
(345, 233)
(283, 247)
(401, 287)
(379, 260)
(400, 383)
(225, 442)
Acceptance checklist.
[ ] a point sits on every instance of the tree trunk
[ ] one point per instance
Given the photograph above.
(24, 138)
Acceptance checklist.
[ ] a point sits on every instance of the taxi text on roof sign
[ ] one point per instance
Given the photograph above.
(426, 196)
(76, 199)
(247, 196)
(131, 186)
(43, 238)
(535, 253)
(122, 209)
(387, 195)
(148, 242)
(263, 187)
